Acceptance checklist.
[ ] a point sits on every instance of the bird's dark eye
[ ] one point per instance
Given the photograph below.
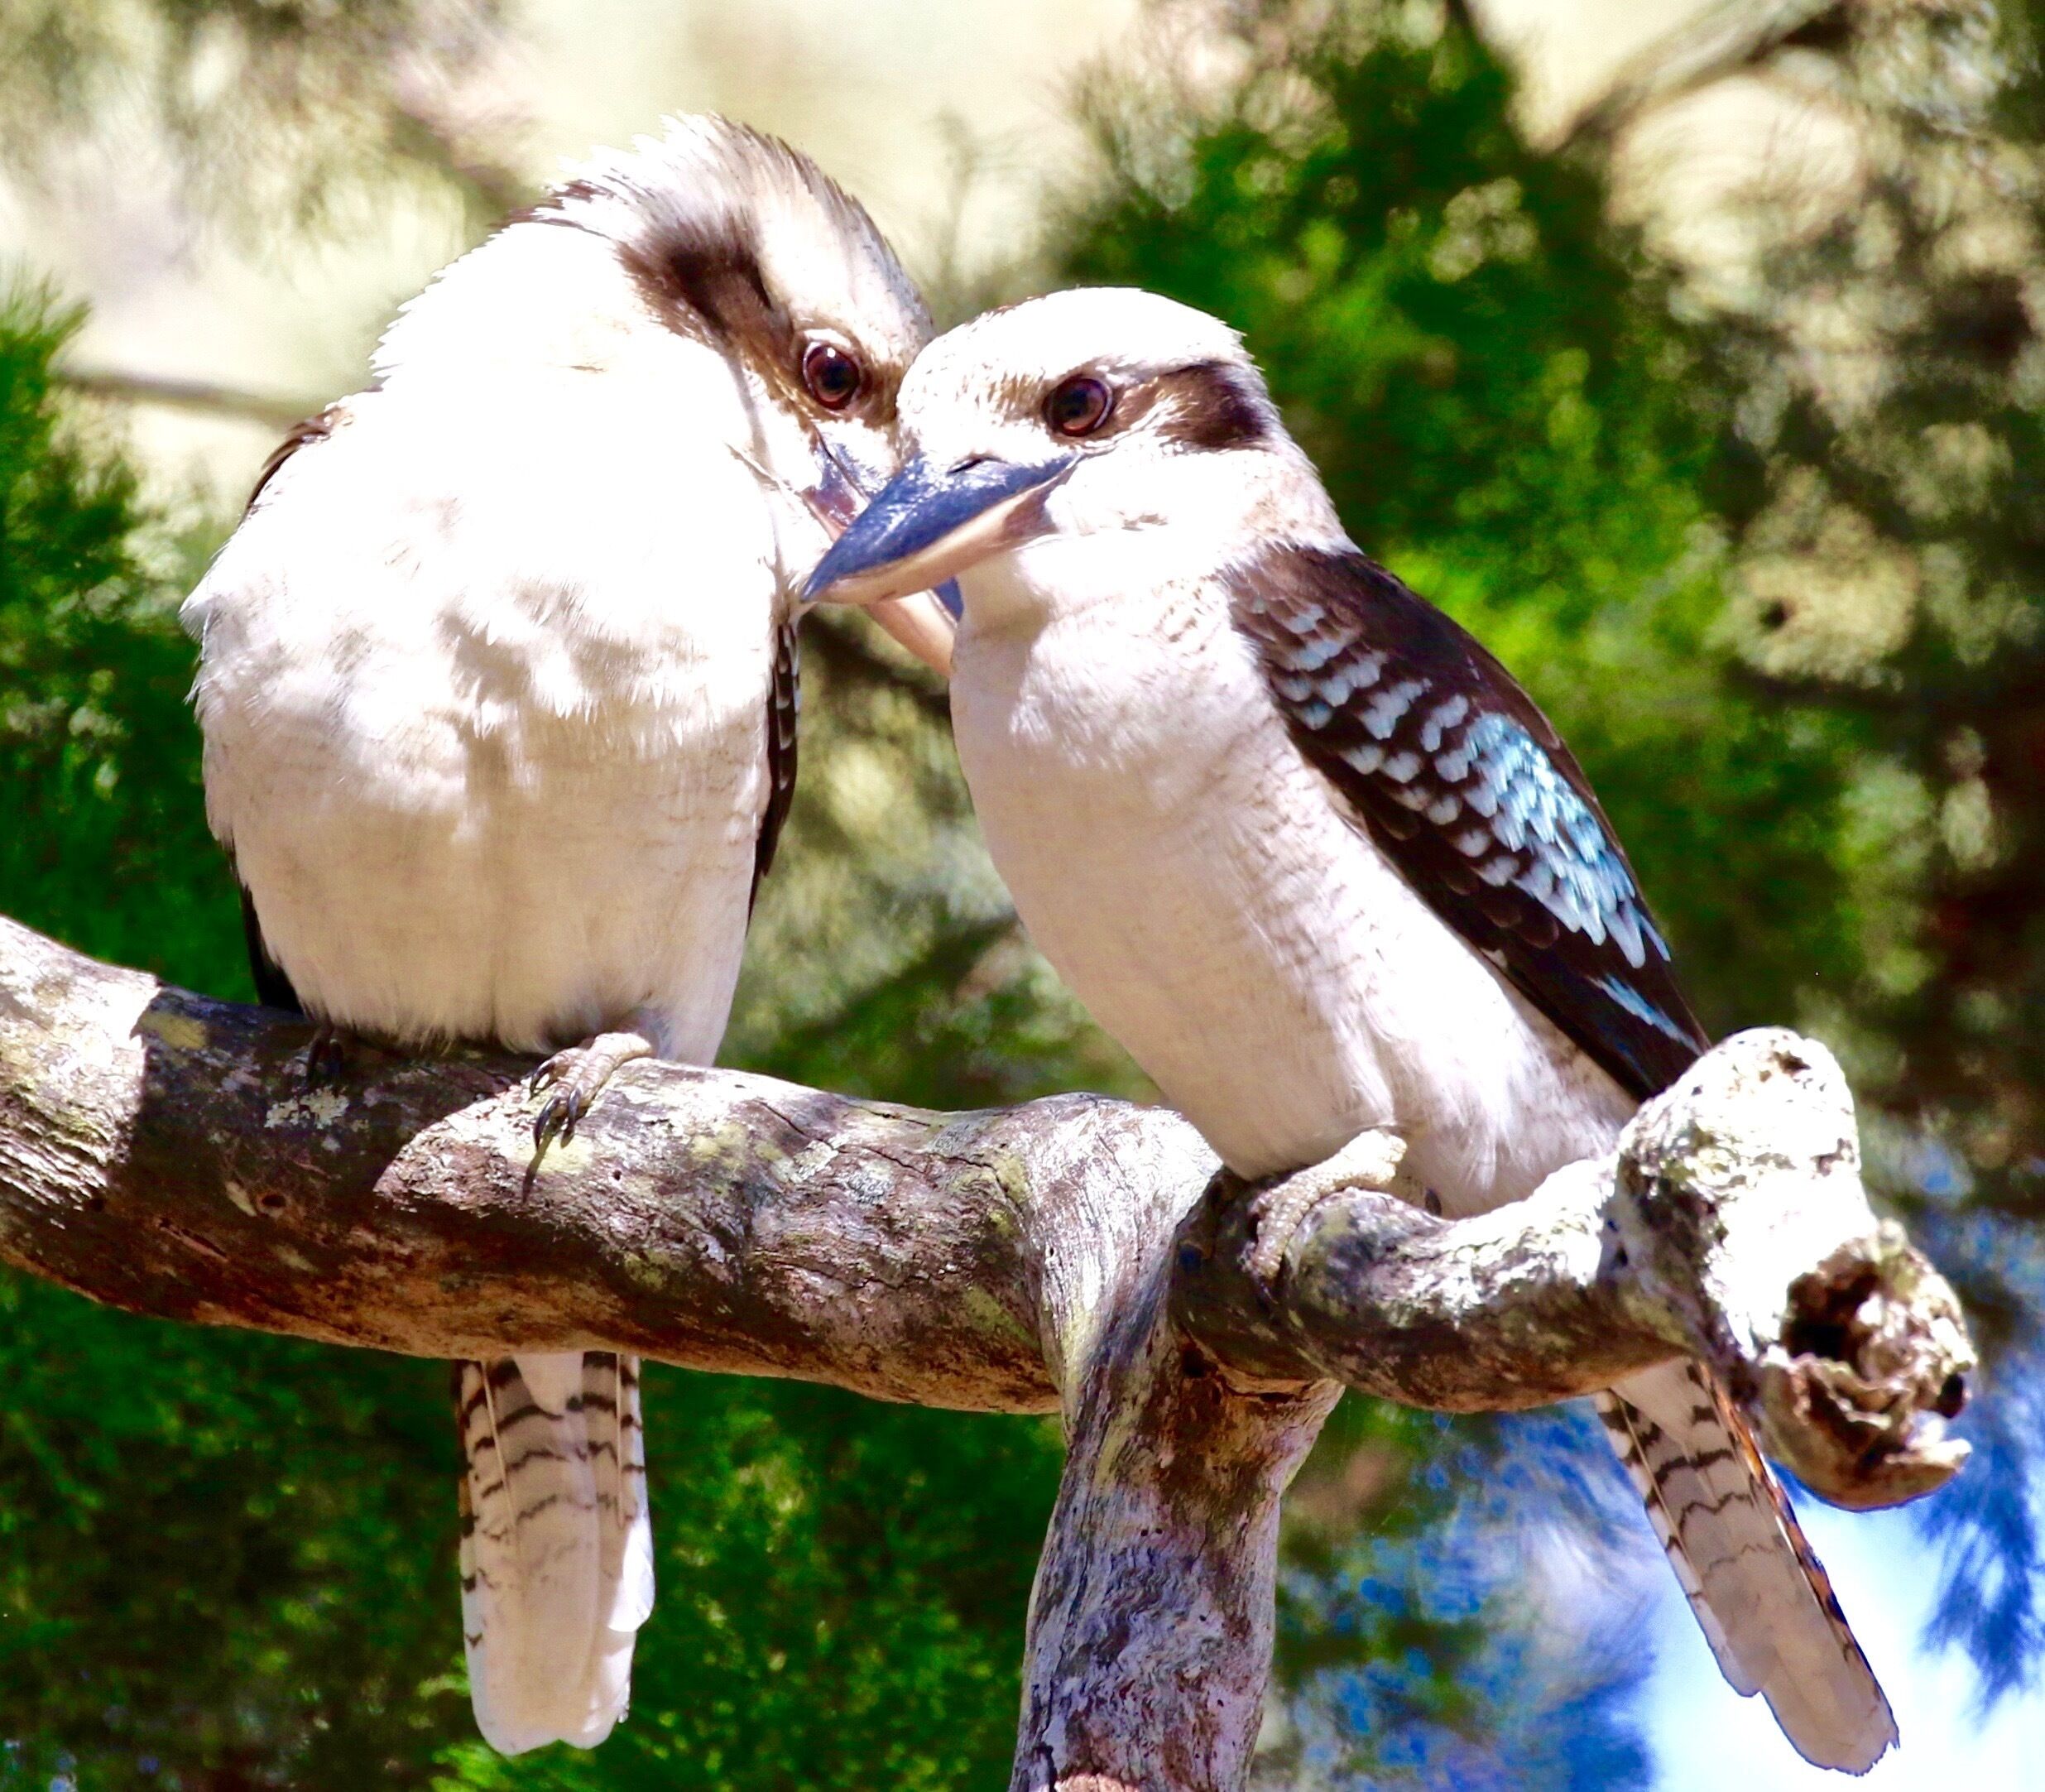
(1078, 405)
(833, 376)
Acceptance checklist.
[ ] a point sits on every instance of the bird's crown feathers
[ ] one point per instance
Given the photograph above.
(722, 234)
(1007, 360)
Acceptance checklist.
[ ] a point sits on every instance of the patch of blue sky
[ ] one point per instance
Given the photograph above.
(1704, 1736)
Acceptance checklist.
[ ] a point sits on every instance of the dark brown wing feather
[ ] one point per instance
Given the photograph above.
(784, 704)
(1465, 786)
(305, 430)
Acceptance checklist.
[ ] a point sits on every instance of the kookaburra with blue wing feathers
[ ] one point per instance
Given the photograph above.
(1308, 851)
(497, 687)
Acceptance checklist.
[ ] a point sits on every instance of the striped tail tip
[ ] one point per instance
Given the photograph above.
(557, 1546)
(1759, 1593)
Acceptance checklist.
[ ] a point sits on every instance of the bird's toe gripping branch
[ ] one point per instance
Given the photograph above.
(574, 1078)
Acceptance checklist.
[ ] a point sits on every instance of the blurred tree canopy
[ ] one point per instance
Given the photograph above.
(263, 110)
(1768, 549)
(1876, 359)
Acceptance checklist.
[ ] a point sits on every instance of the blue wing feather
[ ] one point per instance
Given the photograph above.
(1467, 789)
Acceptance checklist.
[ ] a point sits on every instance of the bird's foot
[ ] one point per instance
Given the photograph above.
(326, 1056)
(575, 1077)
(1375, 1161)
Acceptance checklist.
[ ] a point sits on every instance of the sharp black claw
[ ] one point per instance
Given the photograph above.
(558, 1117)
(575, 1078)
(326, 1057)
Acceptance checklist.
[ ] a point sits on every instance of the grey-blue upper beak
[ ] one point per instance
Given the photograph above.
(914, 517)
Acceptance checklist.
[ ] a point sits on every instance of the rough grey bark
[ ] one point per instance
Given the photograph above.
(165, 1154)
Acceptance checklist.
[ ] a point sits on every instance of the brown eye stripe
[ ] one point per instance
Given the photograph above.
(697, 262)
(705, 281)
(1209, 406)
(708, 284)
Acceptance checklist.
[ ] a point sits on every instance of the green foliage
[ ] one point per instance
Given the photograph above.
(1882, 480)
(102, 835)
(227, 1559)
(214, 1555)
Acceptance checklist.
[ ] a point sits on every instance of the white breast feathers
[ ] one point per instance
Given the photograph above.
(483, 689)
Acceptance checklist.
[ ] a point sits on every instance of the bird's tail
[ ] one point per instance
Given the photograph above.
(557, 1549)
(1757, 1588)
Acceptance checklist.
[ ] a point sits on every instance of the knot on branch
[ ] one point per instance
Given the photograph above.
(1735, 1182)
(1872, 1362)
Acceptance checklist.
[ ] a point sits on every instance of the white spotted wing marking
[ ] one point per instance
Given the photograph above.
(1466, 788)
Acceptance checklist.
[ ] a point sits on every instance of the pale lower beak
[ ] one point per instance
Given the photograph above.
(920, 620)
(922, 624)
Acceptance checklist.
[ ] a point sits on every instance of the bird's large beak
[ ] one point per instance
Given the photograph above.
(920, 621)
(927, 527)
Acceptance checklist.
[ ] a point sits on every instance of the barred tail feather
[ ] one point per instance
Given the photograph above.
(557, 1548)
(1758, 1589)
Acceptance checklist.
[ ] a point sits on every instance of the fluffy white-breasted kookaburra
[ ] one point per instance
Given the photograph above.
(497, 683)
(1308, 851)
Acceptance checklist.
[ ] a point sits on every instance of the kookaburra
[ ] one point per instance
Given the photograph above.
(497, 683)
(1308, 851)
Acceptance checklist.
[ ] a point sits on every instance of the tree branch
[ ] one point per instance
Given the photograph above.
(163, 1153)
(1716, 41)
(276, 413)
(1731, 1224)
